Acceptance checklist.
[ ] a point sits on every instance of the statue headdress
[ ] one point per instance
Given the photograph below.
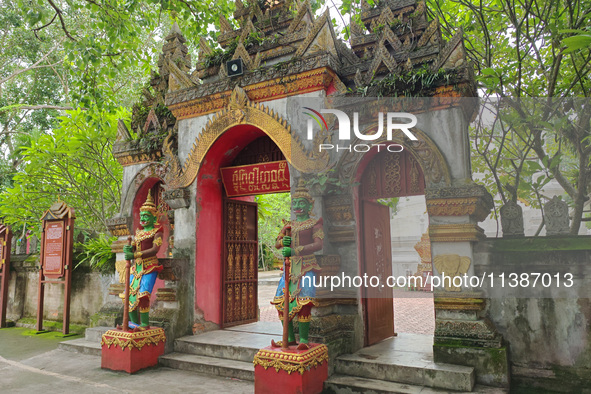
(301, 191)
(149, 205)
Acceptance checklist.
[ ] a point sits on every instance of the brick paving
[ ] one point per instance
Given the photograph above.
(413, 310)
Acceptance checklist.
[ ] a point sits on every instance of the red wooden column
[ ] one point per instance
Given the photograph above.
(56, 257)
(5, 244)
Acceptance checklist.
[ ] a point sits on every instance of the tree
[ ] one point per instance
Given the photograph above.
(73, 163)
(272, 209)
(526, 49)
(68, 68)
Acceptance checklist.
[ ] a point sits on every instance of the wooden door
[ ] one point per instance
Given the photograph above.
(377, 261)
(240, 263)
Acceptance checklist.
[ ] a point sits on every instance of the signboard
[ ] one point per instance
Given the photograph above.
(262, 178)
(56, 257)
(53, 249)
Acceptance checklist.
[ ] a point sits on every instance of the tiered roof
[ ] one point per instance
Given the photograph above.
(280, 38)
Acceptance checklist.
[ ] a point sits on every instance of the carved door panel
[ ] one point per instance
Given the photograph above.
(240, 267)
(377, 261)
(392, 175)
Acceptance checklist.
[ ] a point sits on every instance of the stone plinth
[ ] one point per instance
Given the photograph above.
(132, 351)
(464, 336)
(291, 370)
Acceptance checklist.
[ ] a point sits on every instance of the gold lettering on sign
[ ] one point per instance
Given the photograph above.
(272, 177)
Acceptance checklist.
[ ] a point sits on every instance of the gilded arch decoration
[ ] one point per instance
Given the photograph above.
(152, 170)
(424, 151)
(241, 111)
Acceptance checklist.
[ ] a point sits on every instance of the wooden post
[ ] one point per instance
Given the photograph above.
(6, 241)
(126, 298)
(286, 276)
(68, 271)
(40, 287)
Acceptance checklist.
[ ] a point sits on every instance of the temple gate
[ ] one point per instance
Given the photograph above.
(210, 114)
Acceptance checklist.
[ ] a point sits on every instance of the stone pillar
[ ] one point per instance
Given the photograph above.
(463, 334)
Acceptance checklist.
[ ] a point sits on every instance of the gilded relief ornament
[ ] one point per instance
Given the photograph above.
(240, 110)
(452, 265)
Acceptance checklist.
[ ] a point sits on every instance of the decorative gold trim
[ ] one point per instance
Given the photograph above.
(291, 362)
(308, 81)
(131, 340)
(240, 111)
(460, 232)
(467, 304)
(465, 206)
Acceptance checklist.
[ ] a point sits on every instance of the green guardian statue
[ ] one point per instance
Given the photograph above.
(145, 267)
(306, 238)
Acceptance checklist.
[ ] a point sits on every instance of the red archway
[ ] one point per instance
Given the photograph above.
(209, 218)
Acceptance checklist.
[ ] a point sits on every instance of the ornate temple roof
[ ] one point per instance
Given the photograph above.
(281, 42)
(394, 50)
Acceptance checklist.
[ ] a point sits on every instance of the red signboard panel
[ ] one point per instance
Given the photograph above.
(53, 249)
(263, 178)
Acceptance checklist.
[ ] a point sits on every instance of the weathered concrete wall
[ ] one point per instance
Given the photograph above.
(89, 292)
(549, 338)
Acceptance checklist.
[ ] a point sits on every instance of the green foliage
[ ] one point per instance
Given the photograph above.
(73, 163)
(391, 203)
(218, 56)
(417, 82)
(97, 254)
(273, 209)
(528, 50)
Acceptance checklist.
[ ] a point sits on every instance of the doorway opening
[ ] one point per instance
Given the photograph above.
(391, 191)
(249, 209)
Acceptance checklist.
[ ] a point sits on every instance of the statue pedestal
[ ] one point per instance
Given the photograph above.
(291, 371)
(131, 351)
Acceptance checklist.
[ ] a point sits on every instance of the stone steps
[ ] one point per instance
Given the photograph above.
(90, 344)
(227, 353)
(226, 344)
(352, 384)
(81, 346)
(209, 365)
(407, 370)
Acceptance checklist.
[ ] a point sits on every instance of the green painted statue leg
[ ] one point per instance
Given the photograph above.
(145, 318)
(304, 329)
(133, 317)
(290, 334)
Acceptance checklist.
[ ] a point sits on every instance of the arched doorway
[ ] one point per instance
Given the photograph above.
(382, 176)
(226, 233)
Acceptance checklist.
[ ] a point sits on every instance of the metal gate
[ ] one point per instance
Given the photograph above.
(240, 267)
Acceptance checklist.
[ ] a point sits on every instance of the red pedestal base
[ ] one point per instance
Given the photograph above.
(291, 371)
(131, 351)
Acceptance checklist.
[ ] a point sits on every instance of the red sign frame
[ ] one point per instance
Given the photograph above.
(58, 246)
(251, 179)
(53, 257)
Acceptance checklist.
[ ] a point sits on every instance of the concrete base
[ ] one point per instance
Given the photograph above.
(490, 364)
(132, 351)
(291, 371)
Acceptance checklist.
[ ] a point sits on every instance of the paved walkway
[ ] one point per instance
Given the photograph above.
(413, 310)
(31, 364)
